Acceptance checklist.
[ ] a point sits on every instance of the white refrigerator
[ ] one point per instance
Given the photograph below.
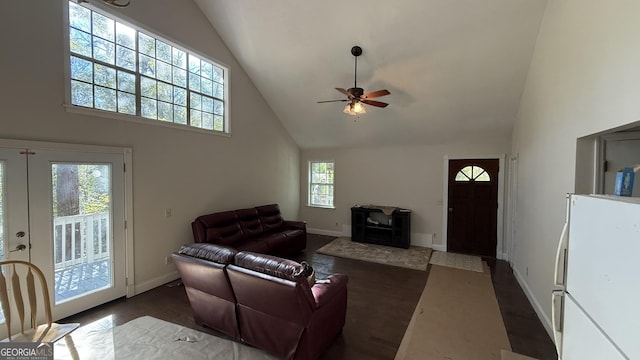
(596, 304)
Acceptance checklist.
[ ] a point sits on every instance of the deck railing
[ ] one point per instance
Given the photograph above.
(80, 239)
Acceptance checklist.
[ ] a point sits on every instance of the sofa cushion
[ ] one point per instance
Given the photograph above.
(227, 235)
(211, 252)
(270, 217)
(218, 219)
(275, 241)
(249, 222)
(222, 228)
(293, 233)
(252, 245)
(271, 265)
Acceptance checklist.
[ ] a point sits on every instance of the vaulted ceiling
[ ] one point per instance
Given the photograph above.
(455, 68)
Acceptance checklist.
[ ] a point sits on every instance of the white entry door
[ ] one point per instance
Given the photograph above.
(70, 207)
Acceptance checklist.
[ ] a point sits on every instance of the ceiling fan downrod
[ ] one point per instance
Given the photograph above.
(356, 51)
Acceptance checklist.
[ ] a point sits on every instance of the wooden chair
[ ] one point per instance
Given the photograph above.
(16, 278)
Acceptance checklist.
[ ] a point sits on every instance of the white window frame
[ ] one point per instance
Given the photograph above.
(104, 10)
(311, 184)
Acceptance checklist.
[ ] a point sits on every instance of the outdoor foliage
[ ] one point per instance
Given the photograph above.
(92, 193)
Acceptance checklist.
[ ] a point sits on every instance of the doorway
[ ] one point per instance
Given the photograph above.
(64, 211)
(618, 151)
(472, 206)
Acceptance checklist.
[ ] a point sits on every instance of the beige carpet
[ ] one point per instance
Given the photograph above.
(458, 261)
(415, 257)
(147, 338)
(457, 318)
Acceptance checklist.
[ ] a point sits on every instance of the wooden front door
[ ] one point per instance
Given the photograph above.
(473, 206)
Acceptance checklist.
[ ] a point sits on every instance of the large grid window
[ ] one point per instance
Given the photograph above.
(115, 67)
(321, 177)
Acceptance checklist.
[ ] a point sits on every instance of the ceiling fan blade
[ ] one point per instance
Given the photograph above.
(345, 92)
(327, 101)
(374, 103)
(374, 94)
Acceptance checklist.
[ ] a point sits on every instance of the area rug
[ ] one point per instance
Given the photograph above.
(147, 338)
(415, 257)
(457, 317)
(458, 261)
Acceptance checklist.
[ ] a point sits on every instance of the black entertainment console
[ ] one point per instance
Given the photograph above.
(381, 225)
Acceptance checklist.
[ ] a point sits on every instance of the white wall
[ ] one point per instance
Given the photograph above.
(192, 173)
(584, 78)
(406, 176)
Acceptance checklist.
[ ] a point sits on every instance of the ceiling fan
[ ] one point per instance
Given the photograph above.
(355, 95)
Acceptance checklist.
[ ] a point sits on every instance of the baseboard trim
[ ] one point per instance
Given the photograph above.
(422, 240)
(155, 282)
(324, 232)
(546, 322)
(439, 247)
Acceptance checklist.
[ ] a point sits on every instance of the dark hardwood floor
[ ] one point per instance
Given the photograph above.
(381, 302)
(526, 333)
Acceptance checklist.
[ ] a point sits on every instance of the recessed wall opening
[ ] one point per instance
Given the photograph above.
(600, 156)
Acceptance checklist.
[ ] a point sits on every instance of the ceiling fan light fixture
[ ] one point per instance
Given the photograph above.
(354, 108)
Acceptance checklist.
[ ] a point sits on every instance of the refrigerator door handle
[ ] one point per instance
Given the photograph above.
(557, 310)
(558, 276)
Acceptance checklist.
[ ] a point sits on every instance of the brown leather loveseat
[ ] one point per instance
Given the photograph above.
(260, 229)
(262, 300)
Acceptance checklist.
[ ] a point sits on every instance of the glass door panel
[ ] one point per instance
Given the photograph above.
(82, 256)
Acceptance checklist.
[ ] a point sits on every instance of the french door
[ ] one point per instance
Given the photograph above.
(64, 211)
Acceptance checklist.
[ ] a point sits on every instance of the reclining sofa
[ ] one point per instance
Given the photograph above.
(261, 229)
(262, 300)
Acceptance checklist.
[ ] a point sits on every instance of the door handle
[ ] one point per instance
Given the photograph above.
(557, 310)
(561, 257)
(20, 247)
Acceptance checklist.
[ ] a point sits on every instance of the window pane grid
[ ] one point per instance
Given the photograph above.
(472, 173)
(117, 68)
(321, 184)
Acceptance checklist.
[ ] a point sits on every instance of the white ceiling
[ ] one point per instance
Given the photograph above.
(455, 68)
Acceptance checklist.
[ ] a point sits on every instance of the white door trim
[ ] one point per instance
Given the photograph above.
(500, 253)
(127, 154)
(512, 199)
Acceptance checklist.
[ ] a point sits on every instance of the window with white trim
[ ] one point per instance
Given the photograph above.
(321, 183)
(118, 68)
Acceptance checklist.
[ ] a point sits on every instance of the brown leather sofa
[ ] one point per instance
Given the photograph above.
(274, 306)
(260, 229)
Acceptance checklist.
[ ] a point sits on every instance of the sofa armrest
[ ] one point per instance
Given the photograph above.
(325, 290)
(199, 232)
(298, 225)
